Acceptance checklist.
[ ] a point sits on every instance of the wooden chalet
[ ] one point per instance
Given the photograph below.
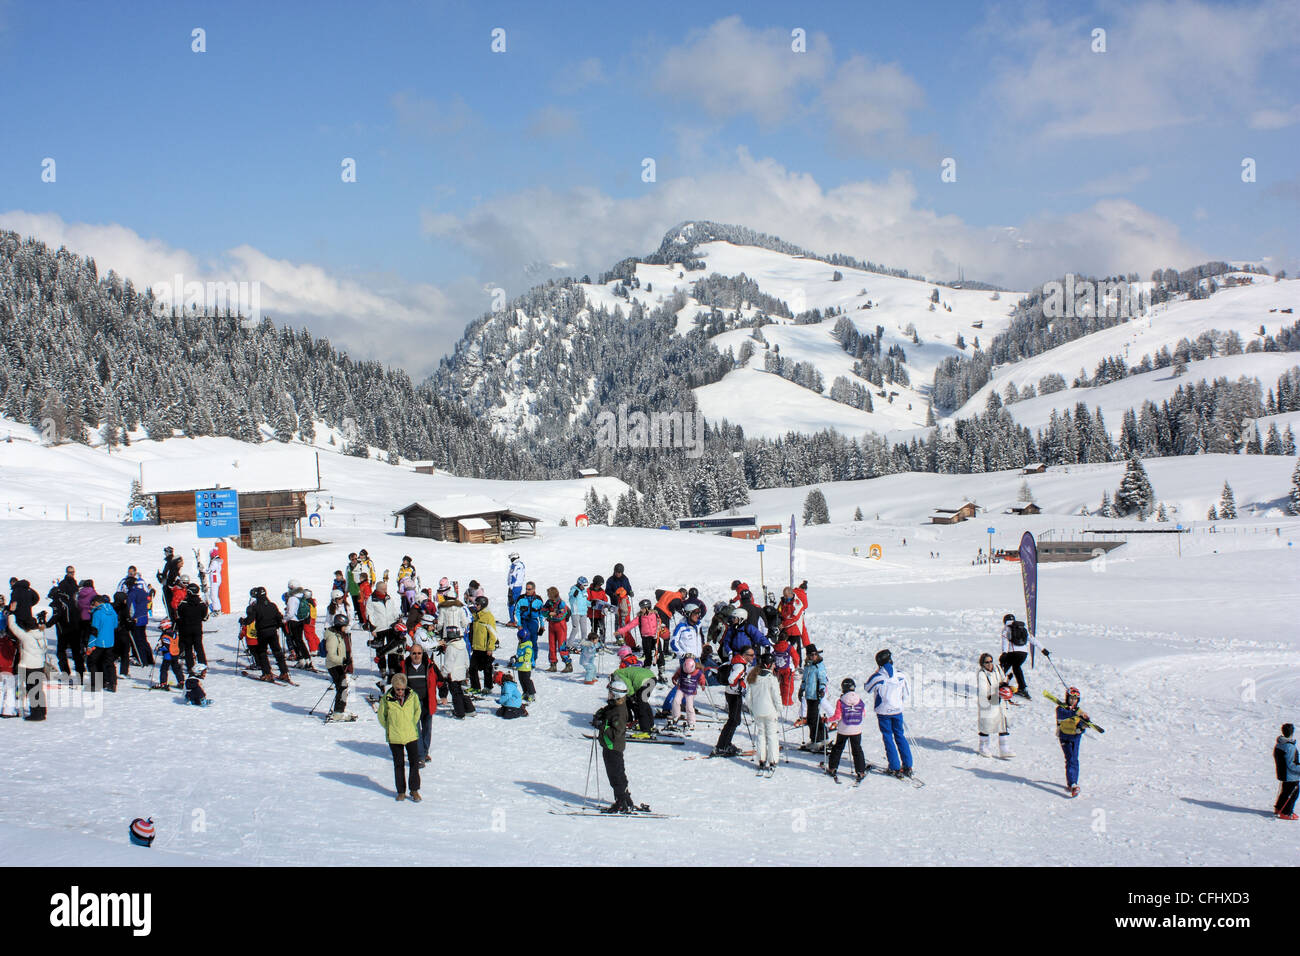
(466, 520)
(953, 515)
(1029, 509)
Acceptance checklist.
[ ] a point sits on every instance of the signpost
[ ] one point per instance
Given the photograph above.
(216, 512)
(761, 582)
(991, 530)
(1179, 529)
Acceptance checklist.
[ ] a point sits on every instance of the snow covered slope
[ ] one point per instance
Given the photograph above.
(1190, 663)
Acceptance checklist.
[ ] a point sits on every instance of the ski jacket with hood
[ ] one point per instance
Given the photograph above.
(382, 612)
(850, 710)
(103, 626)
(483, 633)
(814, 681)
(31, 645)
(765, 695)
(686, 639)
(1286, 759)
(889, 690)
(399, 718)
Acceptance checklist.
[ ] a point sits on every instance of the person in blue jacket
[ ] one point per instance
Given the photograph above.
(512, 699)
(527, 613)
(813, 690)
(103, 632)
(1288, 773)
(1071, 722)
(580, 626)
(137, 608)
(741, 634)
(890, 691)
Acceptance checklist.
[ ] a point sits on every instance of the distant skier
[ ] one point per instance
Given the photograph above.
(890, 692)
(1016, 645)
(992, 691)
(850, 712)
(1071, 722)
(1287, 761)
(514, 585)
(765, 706)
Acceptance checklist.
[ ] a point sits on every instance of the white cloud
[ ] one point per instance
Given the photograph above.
(371, 316)
(1275, 119)
(729, 68)
(877, 220)
(552, 122)
(1167, 63)
(580, 75)
(868, 104)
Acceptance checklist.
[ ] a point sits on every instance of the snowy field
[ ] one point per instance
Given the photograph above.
(1190, 663)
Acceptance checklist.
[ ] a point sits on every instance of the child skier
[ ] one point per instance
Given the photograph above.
(168, 653)
(1071, 723)
(557, 615)
(587, 658)
(686, 684)
(597, 605)
(765, 705)
(525, 655)
(646, 623)
(1287, 762)
(992, 691)
(611, 736)
(512, 701)
(783, 662)
(194, 693)
(850, 710)
(891, 692)
(307, 615)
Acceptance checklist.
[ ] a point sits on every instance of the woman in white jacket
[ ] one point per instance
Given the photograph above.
(765, 705)
(990, 680)
(31, 667)
(455, 668)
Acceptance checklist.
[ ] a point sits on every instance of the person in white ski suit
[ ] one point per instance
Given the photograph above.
(989, 681)
(765, 705)
(214, 581)
(515, 579)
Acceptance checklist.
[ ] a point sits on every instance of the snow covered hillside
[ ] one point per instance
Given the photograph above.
(1189, 661)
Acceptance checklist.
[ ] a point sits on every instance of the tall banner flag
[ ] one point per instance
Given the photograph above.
(1029, 575)
(791, 550)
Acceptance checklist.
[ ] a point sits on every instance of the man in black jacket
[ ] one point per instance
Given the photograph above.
(167, 577)
(190, 615)
(268, 620)
(67, 622)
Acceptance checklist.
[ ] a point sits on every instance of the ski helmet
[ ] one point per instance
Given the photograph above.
(1073, 692)
(624, 652)
(583, 582)
(847, 685)
(645, 604)
(739, 614)
(1005, 692)
(141, 831)
(695, 612)
(166, 627)
(767, 660)
(617, 688)
(294, 584)
(514, 555)
(1008, 618)
(340, 621)
(200, 669)
(618, 569)
(719, 607)
(693, 593)
(399, 628)
(884, 657)
(481, 601)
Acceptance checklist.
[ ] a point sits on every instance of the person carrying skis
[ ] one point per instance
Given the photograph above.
(1287, 762)
(579, 608)
(765, 706)
(992, 691)
(190, 615)
(512, 699)
(514, 586)
(1071, 722)
(399, 715)
(891, 692)
(557, 615)
(850, 712)
(813, 690)
(337, 657)
(1017, 643)
(194, 692)
(266, 620)
(483, 641)
(611, 723)
(735, 693)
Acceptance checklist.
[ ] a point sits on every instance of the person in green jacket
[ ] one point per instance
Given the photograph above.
(354, 583)
(640, 682)
(399, 715)
(611, 736)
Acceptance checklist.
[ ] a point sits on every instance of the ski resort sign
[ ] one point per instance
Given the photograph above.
(216, 512)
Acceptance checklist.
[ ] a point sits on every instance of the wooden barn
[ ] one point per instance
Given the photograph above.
(953, 515)
(1034, 468)
(272, 490)
(1029, 509)
(466, 520)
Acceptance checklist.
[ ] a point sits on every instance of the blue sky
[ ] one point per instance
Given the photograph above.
(477, 169)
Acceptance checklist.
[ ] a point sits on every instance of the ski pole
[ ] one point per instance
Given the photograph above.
(591, 758)
(1058, 673)
(319, 699)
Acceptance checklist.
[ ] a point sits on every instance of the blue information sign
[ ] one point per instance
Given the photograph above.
(217, 512)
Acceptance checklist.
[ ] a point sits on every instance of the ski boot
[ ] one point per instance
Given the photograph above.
(568, 667)
(907, 772)
(833, 774)
(267, 678)
(859, 775)
(551, 669)
(1074, 790)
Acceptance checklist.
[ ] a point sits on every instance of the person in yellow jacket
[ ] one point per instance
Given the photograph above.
(483, 641)
(399, 715)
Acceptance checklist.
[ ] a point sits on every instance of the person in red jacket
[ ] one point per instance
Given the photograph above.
(597, 602)
(794, 601)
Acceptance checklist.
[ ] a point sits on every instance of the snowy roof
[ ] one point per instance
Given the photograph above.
(463, 506)
(271, 469)
(474, 524)
(588, 472)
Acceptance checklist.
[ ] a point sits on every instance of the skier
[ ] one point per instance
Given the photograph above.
(587, 652)
(137, 606)
(687, 638)
(307, 618)
(753, 613)
(1016, 644)
(353, 579)
(514, 585)
(399, 715)
(122, 634)
(735, 684)
(669, 603)
(687, 681)
(194, 692)
(337, 657)
(992, 692)
(850, 710)
(597, 605)
(765, 706)
(483, 641)
(63, 612)
(1287, 762)
(215, 566)
(618, 580)
(167, 577)
(382, 615)
(103, 638)
(452, 614)
(168, 654)
(292, 598)
(527, 615)
(419, 674)
(455, 665)
(266, 618)
(783, 661)
(693, 600)
(611, 734)
(557, 615)
(512, 700)
(794, 601)
(646, 624)
(31, 665)
(85, 594)
(1071, 723)
(640, 683)
(891, 692)
(812, 690)
(190, 615)
(718, 622)
(740, 634)
(523, 661)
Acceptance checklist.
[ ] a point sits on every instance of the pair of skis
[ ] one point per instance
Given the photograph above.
(587, 810)
(1060, 703)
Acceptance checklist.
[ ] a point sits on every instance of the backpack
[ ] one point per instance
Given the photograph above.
(306, 609)
(1019, 636)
